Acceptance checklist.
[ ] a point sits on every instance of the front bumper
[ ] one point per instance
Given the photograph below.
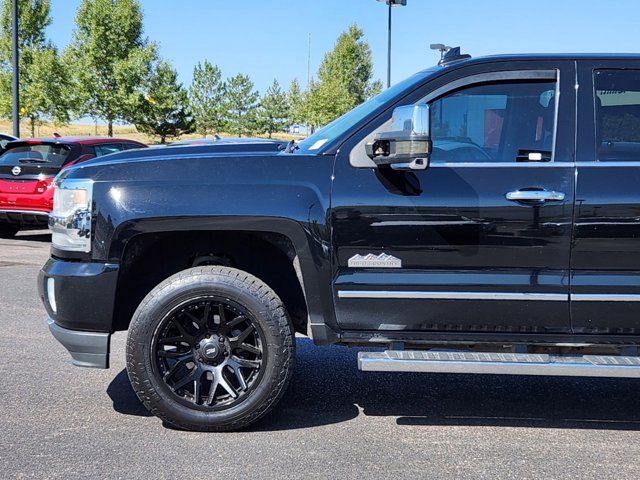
(79, 298)
(87, 349)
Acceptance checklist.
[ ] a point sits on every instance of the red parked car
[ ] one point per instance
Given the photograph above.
(27, 169)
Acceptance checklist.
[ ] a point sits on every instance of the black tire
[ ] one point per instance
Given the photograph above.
(8, 230)
(268, 317)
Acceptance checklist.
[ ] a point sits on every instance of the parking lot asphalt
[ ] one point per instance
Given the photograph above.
(60, 421)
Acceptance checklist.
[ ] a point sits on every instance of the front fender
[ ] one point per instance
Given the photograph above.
(292, 201)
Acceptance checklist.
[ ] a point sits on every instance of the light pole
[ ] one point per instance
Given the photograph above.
(16, 73)
(391, 4)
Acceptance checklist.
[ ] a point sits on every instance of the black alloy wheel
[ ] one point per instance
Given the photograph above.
(209, 353)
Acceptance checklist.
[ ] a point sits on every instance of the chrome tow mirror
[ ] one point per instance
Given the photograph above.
(408, 145)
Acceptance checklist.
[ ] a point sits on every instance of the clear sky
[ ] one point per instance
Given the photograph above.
(268, 38)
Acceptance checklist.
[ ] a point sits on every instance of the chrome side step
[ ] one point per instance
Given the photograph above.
(499, 363)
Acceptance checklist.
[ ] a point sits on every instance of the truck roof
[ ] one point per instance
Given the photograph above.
(544, 56)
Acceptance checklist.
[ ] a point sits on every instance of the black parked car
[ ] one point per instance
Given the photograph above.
(479, 217)
(241, 143)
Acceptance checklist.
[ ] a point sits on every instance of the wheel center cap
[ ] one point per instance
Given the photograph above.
(212, 350)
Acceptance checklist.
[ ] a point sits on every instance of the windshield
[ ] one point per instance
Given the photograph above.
(336, 128)
(51, 155)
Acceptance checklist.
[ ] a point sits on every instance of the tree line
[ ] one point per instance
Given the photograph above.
(113, 73)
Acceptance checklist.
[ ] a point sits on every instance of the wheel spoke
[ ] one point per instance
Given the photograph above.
(173, 370)
(194, 319)
(168, 340)
(207, 316)
(244, 363)
(222, 317)
(242, 337)
(224, 384)
(236, 321)
(171, 354)
(238, 373)
(185, 380)
(186, 335)
(249, 348)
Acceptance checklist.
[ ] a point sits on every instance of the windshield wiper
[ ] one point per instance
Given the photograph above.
(292, 146)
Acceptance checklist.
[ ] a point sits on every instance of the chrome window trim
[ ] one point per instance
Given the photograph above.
(600, 163)
(506, 75)
(420, 295)
(502, 164)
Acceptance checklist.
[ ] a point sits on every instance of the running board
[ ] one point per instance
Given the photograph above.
(499, 363)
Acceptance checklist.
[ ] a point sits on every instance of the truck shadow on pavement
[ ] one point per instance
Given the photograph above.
(327, 388)
(43, 236)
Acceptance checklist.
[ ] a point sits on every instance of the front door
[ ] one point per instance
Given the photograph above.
(479, 241)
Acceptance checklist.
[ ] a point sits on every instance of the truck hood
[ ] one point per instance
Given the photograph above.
(199, 164)
(170, 152)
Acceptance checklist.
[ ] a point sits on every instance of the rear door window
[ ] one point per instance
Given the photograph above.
(49, 155)
(617, 109)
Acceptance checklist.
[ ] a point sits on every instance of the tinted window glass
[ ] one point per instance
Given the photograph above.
(102, 150)
(501, 122)
(617, 103)
(51, 155)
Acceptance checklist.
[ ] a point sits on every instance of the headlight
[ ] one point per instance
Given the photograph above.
(70, 220)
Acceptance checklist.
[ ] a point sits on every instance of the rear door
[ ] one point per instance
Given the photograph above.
(606, 255)
(480, 241)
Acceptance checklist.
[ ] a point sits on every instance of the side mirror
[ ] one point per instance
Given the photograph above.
(408, 145)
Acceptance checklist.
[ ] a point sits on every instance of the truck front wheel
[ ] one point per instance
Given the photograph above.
(210, 348)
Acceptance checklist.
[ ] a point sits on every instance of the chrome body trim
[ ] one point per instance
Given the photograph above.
(605, 297)
(554, 297)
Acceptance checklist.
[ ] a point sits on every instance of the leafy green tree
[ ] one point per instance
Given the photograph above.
(347, 70)
(111, 59)
(43, 80)
(273, 114)
(295, 103)
(206, 97)
(241, 105)
(163, 109)
(326, 101)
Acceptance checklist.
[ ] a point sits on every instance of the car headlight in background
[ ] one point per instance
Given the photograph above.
(70, 220)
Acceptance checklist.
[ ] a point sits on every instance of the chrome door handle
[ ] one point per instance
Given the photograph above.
(535, 196)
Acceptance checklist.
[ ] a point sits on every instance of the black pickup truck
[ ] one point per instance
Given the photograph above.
(482, 216)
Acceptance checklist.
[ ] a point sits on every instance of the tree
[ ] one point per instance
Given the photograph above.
(111, 59)
(205, 98)
(163, 109)
(43, 80)
(273, 114)
(346, 70)
(326, 101)
(240, 105)
(295, 103)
